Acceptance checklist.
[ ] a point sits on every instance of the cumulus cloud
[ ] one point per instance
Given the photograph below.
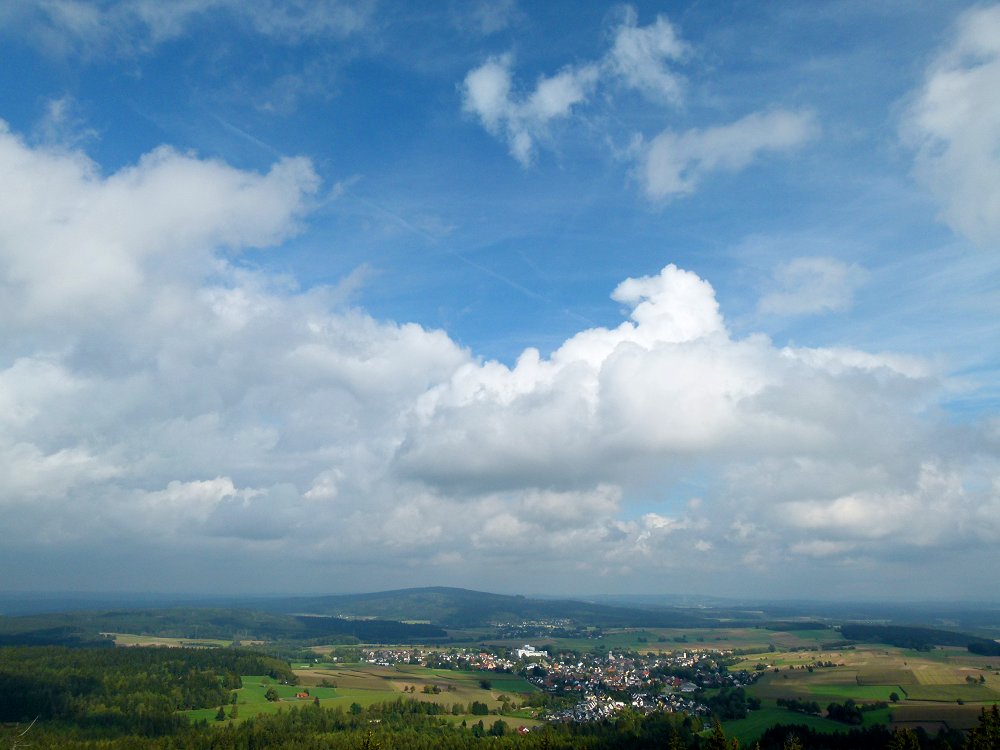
(805, 286)
(102, 238)
(155, 397)
(675, 163)
(669, 383)
(953, 123)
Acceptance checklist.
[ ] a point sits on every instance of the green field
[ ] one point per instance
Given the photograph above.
(886, 676)
(748, 730)
(860, 693)
(371, 684)
(366, 685)
(250, 699)
(951, 693)
(501, 682)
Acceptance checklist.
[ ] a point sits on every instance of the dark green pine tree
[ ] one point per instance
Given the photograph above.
(986, 736)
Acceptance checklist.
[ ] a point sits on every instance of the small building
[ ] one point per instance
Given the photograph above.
(529, 651)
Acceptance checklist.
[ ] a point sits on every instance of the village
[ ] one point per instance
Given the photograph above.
(604, 683)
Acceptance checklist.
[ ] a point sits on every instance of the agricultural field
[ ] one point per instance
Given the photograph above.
(251, 700)
(943, 687)
(681, 639)
(366, 684)
(455, 686)
(130, 639)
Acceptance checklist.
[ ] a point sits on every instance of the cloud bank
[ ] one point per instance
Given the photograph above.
(160, 401)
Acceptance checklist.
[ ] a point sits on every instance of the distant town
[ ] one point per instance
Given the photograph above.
(606, 683)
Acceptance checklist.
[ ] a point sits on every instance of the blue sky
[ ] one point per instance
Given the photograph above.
(537, 297)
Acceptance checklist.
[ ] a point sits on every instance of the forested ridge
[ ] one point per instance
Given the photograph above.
(122, 689)
(920, 639)
(83, 628)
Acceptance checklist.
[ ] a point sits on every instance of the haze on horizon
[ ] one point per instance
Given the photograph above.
(518, 297)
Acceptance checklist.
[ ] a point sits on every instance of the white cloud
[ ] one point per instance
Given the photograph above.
(669, 383)
(804, 286)
(637, 59)
(485, 17)
(639, 55)
(28, 474)
(641, 58)
(675, 163)
(934, 509)
(73, 239)
(61, 126)
(487, 93)
(127, 27)
(154, 397)
(953, 123)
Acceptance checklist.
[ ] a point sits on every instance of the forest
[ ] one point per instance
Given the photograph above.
(919, 639)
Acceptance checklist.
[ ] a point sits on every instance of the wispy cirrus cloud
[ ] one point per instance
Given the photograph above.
(93, 28)
(809, 285)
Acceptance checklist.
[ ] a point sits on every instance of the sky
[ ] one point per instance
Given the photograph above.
(526, 297)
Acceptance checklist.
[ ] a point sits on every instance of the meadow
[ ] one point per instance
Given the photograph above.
(365, 684)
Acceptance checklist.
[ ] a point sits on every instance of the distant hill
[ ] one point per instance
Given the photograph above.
(84, 627)
(463, 608)
(399, 616)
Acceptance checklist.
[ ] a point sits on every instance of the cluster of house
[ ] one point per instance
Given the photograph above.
(601, 707)
(591, 708)
(652, 682)
(647, 680)
(453, 659)
(622, 672)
